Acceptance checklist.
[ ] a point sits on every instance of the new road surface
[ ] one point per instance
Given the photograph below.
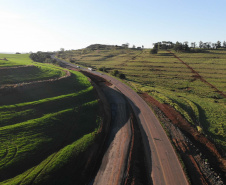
(164, 166)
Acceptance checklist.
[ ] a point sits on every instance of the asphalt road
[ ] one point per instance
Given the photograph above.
(164, 166)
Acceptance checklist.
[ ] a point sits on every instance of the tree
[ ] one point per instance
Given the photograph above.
(115, 72)
(178, 47)
(186, 48)
(200, 44)
(126, 45)
(193, 44)
(155, 45)
(224, 44)
(218, 44)
(103, 69)
(208, 45)
(169, 44)
(122, 76)
(154, 51)
(205, 45)
(213, 45)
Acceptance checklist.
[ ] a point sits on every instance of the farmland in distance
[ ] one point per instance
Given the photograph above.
(170, 81)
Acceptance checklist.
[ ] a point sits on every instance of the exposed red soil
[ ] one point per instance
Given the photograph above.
(198, 76)
(130, 155)
(184, 150)
(136, 169)
(207, 147)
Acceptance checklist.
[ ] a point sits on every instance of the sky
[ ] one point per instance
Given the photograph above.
(44, 25)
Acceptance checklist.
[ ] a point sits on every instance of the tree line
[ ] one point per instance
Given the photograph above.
(42, 57)
(179, 46)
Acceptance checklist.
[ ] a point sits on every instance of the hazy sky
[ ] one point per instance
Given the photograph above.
(48, 25)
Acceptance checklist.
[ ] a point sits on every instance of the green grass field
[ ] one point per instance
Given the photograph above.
(44, 128)
(14, 60)
(20, 69)
(170, 81)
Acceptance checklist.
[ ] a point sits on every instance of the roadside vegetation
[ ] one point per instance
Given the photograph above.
(170, 81)
(45, 127)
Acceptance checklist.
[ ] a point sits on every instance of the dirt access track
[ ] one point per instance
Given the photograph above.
(163, 165)
(115, 158)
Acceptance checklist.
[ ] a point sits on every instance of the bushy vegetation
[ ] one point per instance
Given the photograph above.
(43, 57)
(118, 74)
(43, 129)
(154, 51)
(170, 81)
(104, 69)
(179, 46)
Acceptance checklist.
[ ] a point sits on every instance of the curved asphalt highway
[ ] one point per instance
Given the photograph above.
(164, 166)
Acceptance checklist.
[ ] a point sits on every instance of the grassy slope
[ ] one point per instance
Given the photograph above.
(19, 75)
(29, 74)
(14, 60)
(43, 129)
(170, 81)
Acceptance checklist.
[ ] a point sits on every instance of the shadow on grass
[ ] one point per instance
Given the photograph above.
(58, 131)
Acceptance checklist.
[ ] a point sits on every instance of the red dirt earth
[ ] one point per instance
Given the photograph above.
(207, 147)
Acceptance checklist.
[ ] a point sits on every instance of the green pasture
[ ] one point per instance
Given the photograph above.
(28, 74)
(44, 128)
(15, 60)
(13, 70)
(170, 81)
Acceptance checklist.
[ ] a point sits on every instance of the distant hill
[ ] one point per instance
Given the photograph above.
(102, 47)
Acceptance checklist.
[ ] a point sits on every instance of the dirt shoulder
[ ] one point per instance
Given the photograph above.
(203, 162)
(132, 163)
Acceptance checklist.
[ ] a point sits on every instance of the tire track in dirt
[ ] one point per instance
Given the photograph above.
(130, 152)
(198, 76)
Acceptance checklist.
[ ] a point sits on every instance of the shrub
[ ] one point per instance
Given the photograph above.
(122, 76)
(115, 72)
(104, 69)
(154, 51)
(72, 60)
